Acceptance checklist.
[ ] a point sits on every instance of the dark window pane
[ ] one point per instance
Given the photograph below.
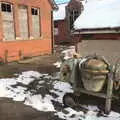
(32, 11)
(8, 8)
(71, 22)
(36, 12)
(3, 7)
(56, 25)
(71, 13)
(87, 36)
(76, 13)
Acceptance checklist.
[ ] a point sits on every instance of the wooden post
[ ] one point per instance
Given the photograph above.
(109, 93)
(6, 56)
(20, 54)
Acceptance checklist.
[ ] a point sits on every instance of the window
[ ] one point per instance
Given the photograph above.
(5, 7)
(8, 21)
(55, 25)
(35, 22)
(34, 11)
(76, 14)
(87, 36)
(73, 16)
(23, 21)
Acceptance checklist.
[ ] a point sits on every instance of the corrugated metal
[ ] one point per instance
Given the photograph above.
(8, 25)
(36, 25)
(23, 21)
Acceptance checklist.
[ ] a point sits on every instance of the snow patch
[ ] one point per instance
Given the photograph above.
(72, 114)
(29, 76)
(57, 64)
(60, 88)
(39, 103)
(68, 53)
(10, 88)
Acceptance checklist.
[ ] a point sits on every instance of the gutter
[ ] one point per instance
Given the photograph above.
(98, 31)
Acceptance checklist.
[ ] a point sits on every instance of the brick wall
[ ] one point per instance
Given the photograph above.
(62, 36)
(31, 46)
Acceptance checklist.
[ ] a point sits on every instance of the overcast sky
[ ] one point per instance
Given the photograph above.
(61, 1)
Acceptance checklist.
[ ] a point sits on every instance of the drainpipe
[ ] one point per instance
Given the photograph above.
(52, 32)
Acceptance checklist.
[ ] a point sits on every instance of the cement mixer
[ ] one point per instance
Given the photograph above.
(92, 75)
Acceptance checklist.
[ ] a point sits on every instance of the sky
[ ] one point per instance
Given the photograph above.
(61, 1)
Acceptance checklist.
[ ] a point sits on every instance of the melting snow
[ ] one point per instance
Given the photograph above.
(68, 53)
(60, 88)
(10, 88)
(57, 64)
(42, 104)
(27, 77)
(72, 114)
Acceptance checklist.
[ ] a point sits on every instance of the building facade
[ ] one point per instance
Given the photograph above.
(24, 28)
(64, 19)
(98, 30)
(104, 42)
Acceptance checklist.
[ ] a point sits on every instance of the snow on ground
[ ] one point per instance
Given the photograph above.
(68, 53)
(90, 115)
(60, 88)
(27, 77)
(39, 103)
(40, 91)
(65, 54)
(57, 64)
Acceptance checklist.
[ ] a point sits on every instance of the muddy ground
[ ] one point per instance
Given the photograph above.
(10, 110)
(43, 64)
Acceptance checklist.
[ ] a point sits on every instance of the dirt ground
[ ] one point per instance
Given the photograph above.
(43, 64)
(10, 110)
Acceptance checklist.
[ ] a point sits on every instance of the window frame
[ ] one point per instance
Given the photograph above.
(35, 11)
(73, 14)
(39, 16)
(9, 9)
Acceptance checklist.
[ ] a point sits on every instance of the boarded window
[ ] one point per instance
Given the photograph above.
(8, 21)
(36, 22)
(23, 21)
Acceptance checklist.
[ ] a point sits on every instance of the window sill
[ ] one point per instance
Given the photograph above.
(18, 39)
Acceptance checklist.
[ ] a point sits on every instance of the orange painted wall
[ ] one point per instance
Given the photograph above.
(30, 47)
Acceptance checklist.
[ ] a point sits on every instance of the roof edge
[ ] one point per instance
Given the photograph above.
(62, 3)
(102, 28)
(53, 4)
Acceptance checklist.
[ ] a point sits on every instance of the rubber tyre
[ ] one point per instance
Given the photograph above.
(69, 100)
